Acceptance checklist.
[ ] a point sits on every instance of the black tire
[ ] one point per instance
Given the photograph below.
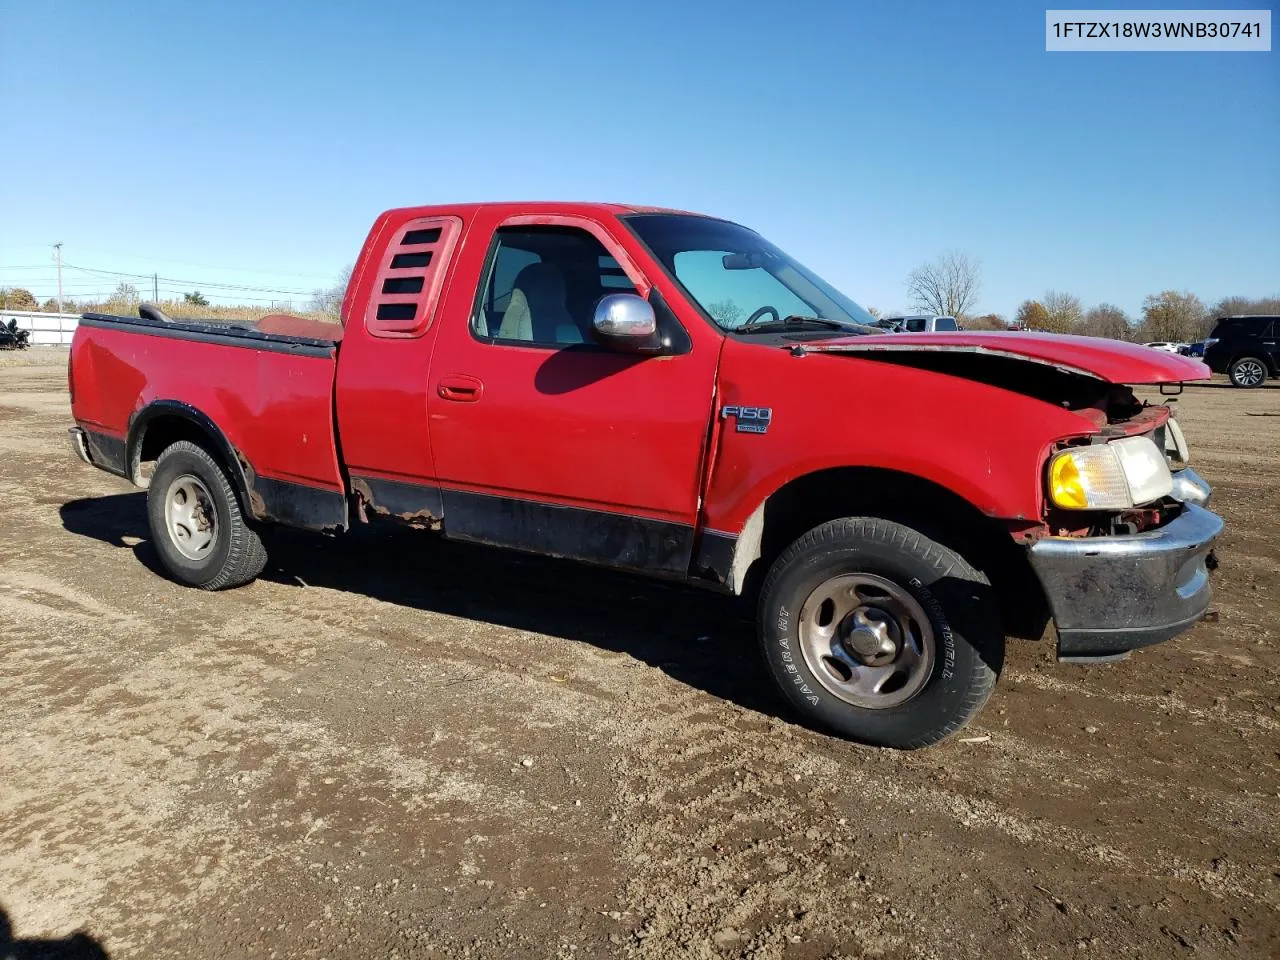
(956, 599)
(1243, 371)
(236, 555)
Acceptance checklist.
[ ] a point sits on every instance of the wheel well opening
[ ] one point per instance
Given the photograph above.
(161, 432)
(933, 510)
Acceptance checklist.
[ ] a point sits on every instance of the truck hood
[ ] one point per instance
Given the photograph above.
(1111, 361)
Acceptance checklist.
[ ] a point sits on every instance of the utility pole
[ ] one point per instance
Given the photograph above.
(57, 256)
(155, 288)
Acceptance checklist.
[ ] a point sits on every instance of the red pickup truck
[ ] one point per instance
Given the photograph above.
(671, 394)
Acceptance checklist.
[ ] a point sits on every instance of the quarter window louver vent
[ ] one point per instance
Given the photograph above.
(402, 285)
(414, 237)
(397, 311)
(403, 261)
(410, 276)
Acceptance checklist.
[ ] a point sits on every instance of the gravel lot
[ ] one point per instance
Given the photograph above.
(392, 746)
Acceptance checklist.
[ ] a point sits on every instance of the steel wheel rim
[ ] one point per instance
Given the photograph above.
(190, 517)
(1250, 372)
(867, 640)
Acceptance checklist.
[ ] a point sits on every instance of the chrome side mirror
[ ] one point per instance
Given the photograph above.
(624, 321)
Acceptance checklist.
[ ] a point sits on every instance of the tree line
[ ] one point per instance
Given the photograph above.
(949, 285)
(124, 299)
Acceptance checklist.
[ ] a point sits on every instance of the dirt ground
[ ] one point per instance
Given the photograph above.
(394, 747)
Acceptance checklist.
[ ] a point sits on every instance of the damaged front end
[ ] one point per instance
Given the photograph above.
(1124, 548)
(1134, 570)
(1112, 594)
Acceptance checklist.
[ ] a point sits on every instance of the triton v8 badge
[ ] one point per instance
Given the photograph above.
(749, 419)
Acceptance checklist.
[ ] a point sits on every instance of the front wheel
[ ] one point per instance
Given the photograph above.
(879, 633)
(1248, 372)
(196, 523)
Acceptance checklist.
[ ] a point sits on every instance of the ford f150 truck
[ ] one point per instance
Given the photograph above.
(671, 394)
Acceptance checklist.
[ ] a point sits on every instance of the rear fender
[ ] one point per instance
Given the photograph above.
(238, 468)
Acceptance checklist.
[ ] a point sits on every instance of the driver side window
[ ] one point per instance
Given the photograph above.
(542, 286)
(732, 296)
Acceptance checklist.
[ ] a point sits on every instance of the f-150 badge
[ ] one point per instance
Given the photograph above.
(749, 419)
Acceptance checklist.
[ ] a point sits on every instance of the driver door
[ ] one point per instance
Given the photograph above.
(545, 441)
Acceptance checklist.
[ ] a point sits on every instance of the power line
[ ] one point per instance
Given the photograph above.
(87, 288)
(187, 263)
(211, 284)
(207, 266)
(149, 278)
(193, 283)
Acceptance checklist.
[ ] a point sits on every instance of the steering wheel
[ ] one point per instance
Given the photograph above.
(760, 313)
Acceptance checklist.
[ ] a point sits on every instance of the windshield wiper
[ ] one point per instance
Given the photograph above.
(792, 322)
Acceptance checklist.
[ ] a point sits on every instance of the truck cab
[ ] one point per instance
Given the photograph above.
(670, 394)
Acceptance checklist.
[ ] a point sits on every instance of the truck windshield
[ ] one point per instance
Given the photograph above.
(737, 277)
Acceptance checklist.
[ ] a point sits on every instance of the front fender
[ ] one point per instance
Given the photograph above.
(984, 444)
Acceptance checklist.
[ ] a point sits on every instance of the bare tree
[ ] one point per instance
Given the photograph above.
(1244, 306)
(330, 300)
(725, 312)
(1173, 317)
(946, 287)
(1106, 320)
(124, 299)
(1064, 311)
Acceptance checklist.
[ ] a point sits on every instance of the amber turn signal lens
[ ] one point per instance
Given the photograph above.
(1066, 488)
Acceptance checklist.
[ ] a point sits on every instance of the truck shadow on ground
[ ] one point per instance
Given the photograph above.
(698, 637)
(77, 946)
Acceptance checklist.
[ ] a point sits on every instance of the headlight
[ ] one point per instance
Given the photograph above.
(1110, 476)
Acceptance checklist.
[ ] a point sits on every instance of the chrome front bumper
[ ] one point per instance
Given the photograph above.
(1110, 595)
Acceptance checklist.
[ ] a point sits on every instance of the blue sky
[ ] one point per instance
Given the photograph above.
(253, 143)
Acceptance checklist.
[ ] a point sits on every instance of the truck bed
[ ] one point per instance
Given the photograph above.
(216, 331)
(268, 396)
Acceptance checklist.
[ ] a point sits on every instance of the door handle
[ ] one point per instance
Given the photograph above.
(460, 389)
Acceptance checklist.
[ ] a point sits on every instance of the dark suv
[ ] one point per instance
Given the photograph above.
(1245, 349)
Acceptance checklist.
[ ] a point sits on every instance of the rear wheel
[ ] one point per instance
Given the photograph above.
(880, 633)
(196, 523)
(1248, 372)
